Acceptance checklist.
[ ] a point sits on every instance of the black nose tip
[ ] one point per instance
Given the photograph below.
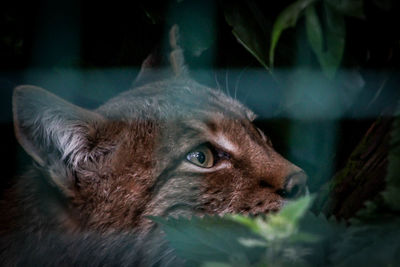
(295, 186)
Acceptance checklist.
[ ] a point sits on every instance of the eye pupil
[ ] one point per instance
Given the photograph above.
(200, 157)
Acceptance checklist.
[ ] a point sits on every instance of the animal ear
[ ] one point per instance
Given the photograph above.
(49, 128)
(150, 70)
(176, 56)
(151, 67)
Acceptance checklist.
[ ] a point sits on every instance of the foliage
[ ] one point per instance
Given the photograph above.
(236, 240)
(326, 37)
(287, 18)
(330, 58)
(249, 28)
(327, 45)
(292, 237)
(208, 238)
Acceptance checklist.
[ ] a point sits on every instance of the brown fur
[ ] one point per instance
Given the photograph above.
(105, 171)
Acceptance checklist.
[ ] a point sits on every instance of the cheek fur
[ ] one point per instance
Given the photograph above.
(232, 193)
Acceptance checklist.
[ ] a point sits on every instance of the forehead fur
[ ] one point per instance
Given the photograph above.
(171, 99)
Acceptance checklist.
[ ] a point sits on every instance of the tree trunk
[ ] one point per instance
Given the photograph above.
(363, 177)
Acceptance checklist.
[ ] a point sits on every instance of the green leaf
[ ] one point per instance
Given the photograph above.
(280, 225)
(295, 210)
(247, 221)
(352, 8)
(248, 30)
(288, 237)
(248, 242)
(331, 56)
(304, 238)
(286, 19)
(314, 31)
(208, 239)
(285, 223)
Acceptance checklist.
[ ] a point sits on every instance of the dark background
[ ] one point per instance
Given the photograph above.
(87, 52)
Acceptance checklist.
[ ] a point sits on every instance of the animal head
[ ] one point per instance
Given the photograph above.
(165, 148)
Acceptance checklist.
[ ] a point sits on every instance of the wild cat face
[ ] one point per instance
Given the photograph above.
(168, 148)
(165, 148)
(209, 158)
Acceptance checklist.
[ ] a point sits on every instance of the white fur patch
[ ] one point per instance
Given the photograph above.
(226, 144)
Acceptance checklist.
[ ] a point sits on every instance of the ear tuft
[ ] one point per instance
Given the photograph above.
(177, 58)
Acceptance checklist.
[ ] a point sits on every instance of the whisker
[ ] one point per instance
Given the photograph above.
(238, 80)
(227, 83)
(217, 82)
(245, 97)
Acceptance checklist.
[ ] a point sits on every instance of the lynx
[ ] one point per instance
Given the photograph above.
(168, 147)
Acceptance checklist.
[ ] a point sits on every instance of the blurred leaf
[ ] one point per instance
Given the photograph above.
(280, 225)
(247, 30)
(330, 52)
(295, 210)
(247, 221)
(208, 239)
(286, 19)
(285, 223)
(335, 38)
(352, 8)
(326, 234)
(322, 226)
(314, 31)
(292, 237)
(215, 264)
(248, 242)
(369, 245)
(302, 237)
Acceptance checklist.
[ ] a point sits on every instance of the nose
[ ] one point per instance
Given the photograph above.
(295, 186)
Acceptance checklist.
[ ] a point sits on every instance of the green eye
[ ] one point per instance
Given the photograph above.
(202, 157)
